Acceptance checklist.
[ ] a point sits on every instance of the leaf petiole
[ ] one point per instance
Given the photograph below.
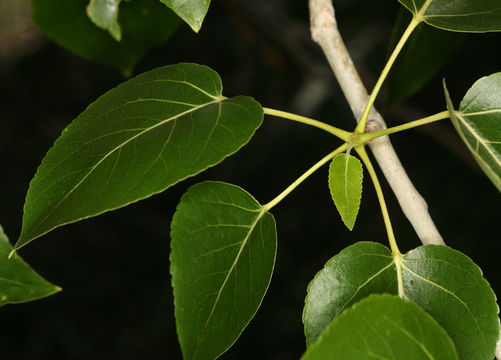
(389, 229)
(412, 124)
(303, 177)
(341, 134)
(405, 36)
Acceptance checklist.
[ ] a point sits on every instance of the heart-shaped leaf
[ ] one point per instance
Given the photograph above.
(425, 53)
(383, 327)
(345, 183)
(478, 122)
(443, 281)
(144, 24)
(104, 13)
(18, 281)
(223, 254)
(137, 140)
(458, 15)
(193, 11)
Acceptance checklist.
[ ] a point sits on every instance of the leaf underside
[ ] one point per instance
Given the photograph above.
(135, 141)
(223, 254)
(478, 122)
(192, 12)
(18, 281)
(345, 183)
(143, 23)
(104, 13)
(443, 281)
(458, 15)
(383, 327)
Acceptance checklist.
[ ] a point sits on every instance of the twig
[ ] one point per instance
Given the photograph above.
(325, 32)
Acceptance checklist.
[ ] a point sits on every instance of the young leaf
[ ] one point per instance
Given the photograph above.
(356, 272)
(345, 183)
(135, 141)
(426, 52)
(383, 327)
(18, 281)
(463, 16)
(223, 254)
(104, 13)
(478, 122)
(144, 24)
(443, 281)
(193, 11)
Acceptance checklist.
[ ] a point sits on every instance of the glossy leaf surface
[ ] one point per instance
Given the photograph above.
(458, 15)
(137, 140)
(223, 254)
(356, 272)
(144, 24)
(193, 11)
(383, 327)
(104, 13)
(425, 53)
(18, 281)
(478, 122)
(345, 183)
(443, 281)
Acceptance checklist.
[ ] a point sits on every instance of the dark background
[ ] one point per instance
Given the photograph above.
(117, 301)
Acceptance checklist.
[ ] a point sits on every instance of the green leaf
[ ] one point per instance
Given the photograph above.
(383, 327)
(223, 254)
(425, 53)
(478, 122)
(104, 13)
(443, 281)
(356, 272)
(137, 140)
(193, 11)
(458, 15)
(18, 281)
(144, 24)
(345, 183)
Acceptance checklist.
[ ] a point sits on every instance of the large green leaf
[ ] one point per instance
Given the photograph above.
(383, 327)
(223, 254)
(104, 13)
(193, 11)
(137, 140)
(356, 272)
(144, 24)
(425, 53)
(18, 281)
(458, 15)
(443, 281)
(478, 122)
(345, 183)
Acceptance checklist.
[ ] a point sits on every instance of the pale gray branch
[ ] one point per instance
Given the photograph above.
(325, 32)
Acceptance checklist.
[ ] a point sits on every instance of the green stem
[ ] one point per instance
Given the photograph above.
(412, 124)
(303, 177)
(343, 135)
(365, 115)
(389, 229)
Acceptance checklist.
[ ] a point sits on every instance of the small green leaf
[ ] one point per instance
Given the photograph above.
(104, 13)
(193, 11)
(383, 327)
(18, 281)
(478, 122)
(135, 141)
(426, 52)
(443, 281)
(359, 270)
(144, 25)
(458, 15)
(223, 254)
(345, 183)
